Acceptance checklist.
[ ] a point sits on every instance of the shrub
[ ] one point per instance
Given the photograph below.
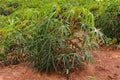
(109, 20)
(16, 26)
(64, 39)
(57, 38)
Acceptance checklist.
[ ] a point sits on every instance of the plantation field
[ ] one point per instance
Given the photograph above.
(106, 67)
(59, 39)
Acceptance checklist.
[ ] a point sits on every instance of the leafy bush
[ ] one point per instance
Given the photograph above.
(57, 38)
(64, 39)
(109, 20)
(17, 26)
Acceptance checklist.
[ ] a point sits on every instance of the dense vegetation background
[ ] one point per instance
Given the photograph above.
(56, 34)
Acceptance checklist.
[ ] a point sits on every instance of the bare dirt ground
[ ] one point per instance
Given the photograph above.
(106, 67)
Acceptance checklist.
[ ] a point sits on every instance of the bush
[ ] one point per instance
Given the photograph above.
(109, 20)
(64, 40)
(17, 26)
(57, 38)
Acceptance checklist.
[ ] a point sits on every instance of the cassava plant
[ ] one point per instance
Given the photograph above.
(109, 20)
(15, 26)
(63, 40)
(57, 38)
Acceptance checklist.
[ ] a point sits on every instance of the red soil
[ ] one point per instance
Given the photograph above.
(106, 67)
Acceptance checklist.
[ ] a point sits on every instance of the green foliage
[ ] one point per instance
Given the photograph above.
(64, 39)
(109, 20)
(19, 19)
(16, 27)
(56, 34)
(2, 56)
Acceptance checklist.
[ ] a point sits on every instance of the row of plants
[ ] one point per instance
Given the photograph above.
(107, 18)
(17, 26)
